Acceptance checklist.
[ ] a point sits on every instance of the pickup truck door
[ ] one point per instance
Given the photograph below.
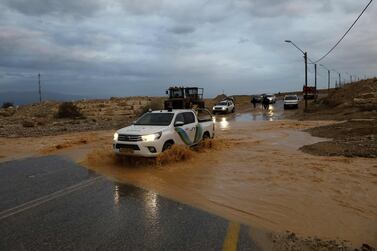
(187, 131)
(190, 125)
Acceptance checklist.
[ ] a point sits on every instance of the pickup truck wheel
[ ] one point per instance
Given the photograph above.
(206, 136)
(167, 146)
(233, 110)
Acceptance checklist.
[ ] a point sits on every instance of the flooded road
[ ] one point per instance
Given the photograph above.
(257, 175)
(252, 173)
(273, 113)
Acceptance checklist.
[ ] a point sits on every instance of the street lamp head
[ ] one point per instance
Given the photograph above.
(288, 41)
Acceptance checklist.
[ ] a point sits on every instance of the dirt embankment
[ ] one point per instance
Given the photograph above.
(353, 138)
(41, 119)
(355, 107)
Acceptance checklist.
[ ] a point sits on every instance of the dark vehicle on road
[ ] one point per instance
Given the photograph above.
(257, 98)
(184, 98)
(271, 98)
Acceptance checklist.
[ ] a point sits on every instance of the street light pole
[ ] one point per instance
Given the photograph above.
(306, 72)
(306, 81)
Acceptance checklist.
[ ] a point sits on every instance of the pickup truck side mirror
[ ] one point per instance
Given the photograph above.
(179, 123)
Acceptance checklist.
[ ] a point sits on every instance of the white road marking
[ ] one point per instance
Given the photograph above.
(36, 202)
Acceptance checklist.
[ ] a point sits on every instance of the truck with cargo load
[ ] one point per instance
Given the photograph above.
(184, 98)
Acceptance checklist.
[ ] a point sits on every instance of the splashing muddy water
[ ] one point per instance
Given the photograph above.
(257, 176)
(177, 154)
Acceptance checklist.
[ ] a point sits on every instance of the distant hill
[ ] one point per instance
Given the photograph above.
(22, 98)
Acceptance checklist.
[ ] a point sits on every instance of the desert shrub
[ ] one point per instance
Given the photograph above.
(41, 113)
(28, 123)
(156, 104)
(7, 112)
(41, 122)
(68, 110)
(7, 105)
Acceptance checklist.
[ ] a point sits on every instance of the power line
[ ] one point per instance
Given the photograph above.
(349, 29)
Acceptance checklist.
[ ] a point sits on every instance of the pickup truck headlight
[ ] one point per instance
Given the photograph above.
(116, 136)
(223, 108)
(151, 137)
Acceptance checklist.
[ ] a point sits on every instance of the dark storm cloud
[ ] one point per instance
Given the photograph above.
(139, 47)
(182, 29)
(146, 7)
(77, 8)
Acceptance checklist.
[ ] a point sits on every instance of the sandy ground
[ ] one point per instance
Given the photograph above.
(252, 173)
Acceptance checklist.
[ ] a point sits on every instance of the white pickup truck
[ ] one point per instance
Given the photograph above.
(156, 131)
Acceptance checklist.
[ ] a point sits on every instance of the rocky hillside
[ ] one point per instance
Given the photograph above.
(353, 101)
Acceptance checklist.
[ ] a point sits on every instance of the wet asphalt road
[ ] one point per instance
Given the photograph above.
(51, 203)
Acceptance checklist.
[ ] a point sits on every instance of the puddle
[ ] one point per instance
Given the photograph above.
(265, 116)
(122, 192)
(274, 112)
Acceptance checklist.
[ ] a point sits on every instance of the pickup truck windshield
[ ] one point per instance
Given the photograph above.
(155, 119)
(223, 103)
(290, 98)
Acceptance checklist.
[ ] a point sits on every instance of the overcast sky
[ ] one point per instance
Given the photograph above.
(140, 47)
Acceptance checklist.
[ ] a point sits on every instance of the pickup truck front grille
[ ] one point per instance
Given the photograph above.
(132, 138)
(218, 108)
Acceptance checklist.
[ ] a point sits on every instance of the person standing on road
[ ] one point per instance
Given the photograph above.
(265, 103)
(254, 102)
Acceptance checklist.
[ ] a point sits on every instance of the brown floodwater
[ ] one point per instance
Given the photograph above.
(254, 173)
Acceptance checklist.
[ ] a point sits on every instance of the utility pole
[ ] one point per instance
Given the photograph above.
(39, 88)
(306, 81)
(340, 81)
(328, 80)
(315, 81)
(351, 78)
(306, 72)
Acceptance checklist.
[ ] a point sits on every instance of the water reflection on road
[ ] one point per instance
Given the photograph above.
(274, 112)
(151, 204)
